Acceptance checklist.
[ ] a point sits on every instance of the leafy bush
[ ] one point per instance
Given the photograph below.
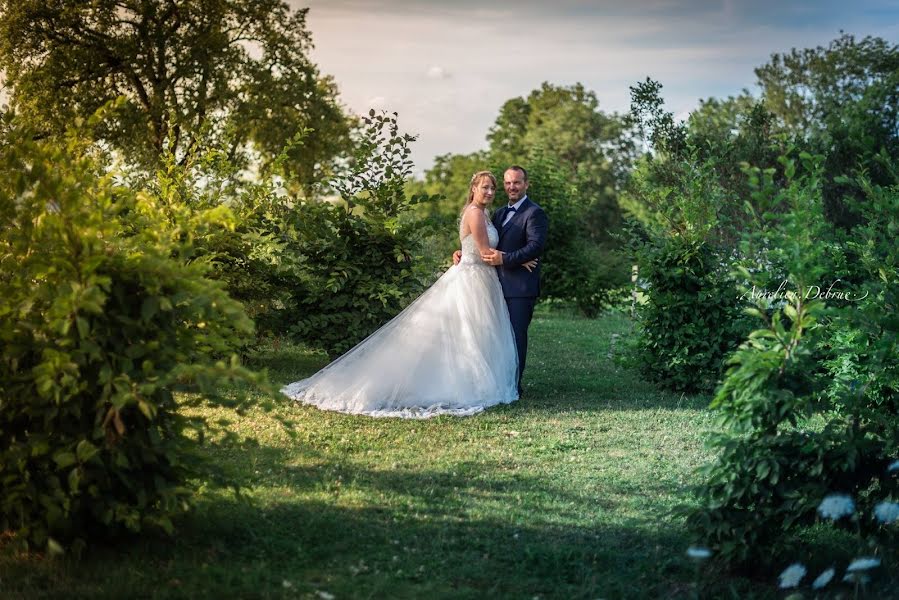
(764, 477)
(842, 101)
(360, 265)
(324, 272)
(103, 319)
(810, 399)
(862, 136)
(685, 201)
(244, 245)
(691, 318)
(574, 268)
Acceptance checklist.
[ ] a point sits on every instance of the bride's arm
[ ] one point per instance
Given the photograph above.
(477, 224)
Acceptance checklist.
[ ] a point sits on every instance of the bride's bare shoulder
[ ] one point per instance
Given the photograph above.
(474, 217)
(469, 210)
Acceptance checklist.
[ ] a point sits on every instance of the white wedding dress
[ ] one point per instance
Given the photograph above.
(450, 352)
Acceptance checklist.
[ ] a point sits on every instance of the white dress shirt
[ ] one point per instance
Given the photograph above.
(511, 213)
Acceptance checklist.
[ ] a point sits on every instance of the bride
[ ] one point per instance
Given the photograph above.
(450, 352)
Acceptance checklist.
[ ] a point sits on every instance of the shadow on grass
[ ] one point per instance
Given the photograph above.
(357, 532)
(562, 399)
(287, 362)
(383, 552)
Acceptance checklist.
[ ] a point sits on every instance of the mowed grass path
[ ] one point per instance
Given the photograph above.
(567, 493)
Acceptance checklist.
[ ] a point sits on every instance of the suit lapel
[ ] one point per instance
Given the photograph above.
(498, 217)
(515, 216)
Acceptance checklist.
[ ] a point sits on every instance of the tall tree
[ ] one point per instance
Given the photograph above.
(803, 87)
(238, 69)
(565, 123)
(841, 101)
(579, 157)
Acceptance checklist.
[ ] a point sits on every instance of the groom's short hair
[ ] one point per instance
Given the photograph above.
(519, 168)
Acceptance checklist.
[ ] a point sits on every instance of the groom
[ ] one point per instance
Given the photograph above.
(522, 227)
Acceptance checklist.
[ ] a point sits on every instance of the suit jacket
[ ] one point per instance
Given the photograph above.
(522, 239)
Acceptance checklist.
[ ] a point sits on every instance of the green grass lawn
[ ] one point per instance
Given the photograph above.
(567, 493)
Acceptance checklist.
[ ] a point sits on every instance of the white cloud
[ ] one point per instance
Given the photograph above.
(437, 72)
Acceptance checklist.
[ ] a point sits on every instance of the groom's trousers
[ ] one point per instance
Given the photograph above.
(521, 311)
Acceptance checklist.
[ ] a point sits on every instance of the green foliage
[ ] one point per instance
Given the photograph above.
(714, 145)
(719, 176)
(361, 266)
(841, 101)
(811, 398)
(861, 138)
(575, 269)
(690, 319)
(103, 319)
(324, 272)
(244, 246)
(774, 469)
(803, 87)
(653, 123)
(577, 157)
(235, 69)
(863, 358)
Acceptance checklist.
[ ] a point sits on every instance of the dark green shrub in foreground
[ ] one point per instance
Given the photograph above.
(811, 399)
(102, 321)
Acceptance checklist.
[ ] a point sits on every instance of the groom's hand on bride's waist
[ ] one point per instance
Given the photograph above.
(457, 257)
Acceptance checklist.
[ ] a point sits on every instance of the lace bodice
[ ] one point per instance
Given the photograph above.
(470, 252)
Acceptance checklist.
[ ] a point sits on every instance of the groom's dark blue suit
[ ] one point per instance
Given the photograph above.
(522, 239)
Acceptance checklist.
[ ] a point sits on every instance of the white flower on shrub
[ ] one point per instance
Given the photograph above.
(823, 579)
(836, 506)
(698, 552)
(886, 512)
(792, 575)
(863, 564)
(856, 578)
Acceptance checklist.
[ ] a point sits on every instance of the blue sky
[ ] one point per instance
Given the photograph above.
(447, 67)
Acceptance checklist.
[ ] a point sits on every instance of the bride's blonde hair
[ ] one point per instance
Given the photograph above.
(475, 179)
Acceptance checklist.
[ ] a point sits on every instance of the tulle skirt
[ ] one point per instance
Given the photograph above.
(450, 352)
